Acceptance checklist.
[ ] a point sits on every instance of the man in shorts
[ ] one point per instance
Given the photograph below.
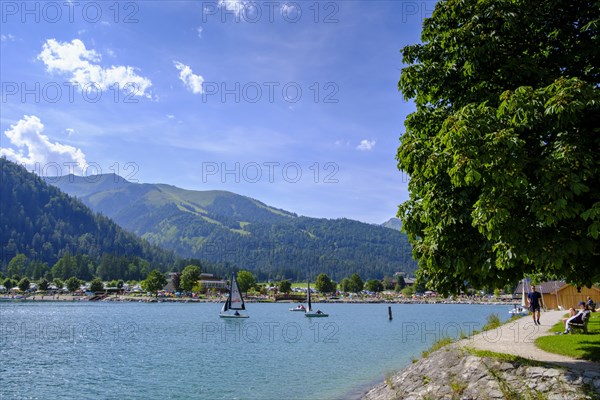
(534, 298)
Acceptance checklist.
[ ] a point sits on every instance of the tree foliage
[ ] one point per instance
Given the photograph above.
(154, 282)
(355, 283)
(189, 276)
(503, 148)
(374, 285)
(246, 280)
(43, 284)
(96, 285)
(284, 286)
(73, 284)
(24, 284)
(324, 284)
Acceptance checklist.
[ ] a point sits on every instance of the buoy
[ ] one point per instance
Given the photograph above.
(390, 312)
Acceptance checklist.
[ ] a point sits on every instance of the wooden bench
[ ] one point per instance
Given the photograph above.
(583, 324)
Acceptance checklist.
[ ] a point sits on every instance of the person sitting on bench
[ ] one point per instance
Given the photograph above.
(577, 318)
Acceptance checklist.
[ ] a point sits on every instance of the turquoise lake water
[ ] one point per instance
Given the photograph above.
(185, 351)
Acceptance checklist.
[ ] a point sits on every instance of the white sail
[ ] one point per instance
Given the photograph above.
(523, 297)
(235, 300)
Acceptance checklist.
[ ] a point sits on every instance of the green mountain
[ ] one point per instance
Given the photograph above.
(45, 224)
(224, 227)
(393, 223)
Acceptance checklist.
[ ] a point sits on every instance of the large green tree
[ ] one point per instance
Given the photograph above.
(189, 276)
(324, 284)
(503, 148)
(374, 285)
(284, 286)
(73, 284)
(154, 282)
(24, 284)
(246, 280)
(355, 283)
(96, 285)
(16, 266)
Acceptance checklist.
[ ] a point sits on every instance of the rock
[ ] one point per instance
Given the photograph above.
(453, 373)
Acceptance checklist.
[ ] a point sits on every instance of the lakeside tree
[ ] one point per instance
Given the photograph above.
(189, 276)
(284, 286)
(154, 282)
(344, 285)
(324, 284)
(400, 283)
(24, 284)
(355, 283)
(59, 283)
(503, 148)
(16, 266)
(73, 284)
(9, 283)
(43, 284)
(245, 280)
(96, 285)
(374, 285)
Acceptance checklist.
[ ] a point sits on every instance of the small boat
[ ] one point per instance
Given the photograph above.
(309, 312)
(520, 310)
(299, 307)
(234, 302)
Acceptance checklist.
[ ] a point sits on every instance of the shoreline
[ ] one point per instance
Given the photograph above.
(534, 369)
(146, 299)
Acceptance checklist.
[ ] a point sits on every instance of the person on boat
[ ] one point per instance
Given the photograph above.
(319, 312)
(237, 314)
(534, 299)
(576, 317)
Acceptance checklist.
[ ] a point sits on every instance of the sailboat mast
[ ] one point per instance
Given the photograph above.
(308, 296)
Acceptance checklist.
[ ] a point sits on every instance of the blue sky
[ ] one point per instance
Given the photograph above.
(292, 103)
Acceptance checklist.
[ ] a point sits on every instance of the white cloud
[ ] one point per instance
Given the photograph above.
(27, 135)
(366, 145)
(290, 11)
(7, 38)
(200, 30)
(233, 5)
(170, 116)
(69, 131)
(191, 81)
(82, 64)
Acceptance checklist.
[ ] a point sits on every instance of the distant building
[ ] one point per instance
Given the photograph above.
(559, 293)
(209, 281)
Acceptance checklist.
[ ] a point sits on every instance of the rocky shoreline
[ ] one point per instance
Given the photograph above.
(455, 372)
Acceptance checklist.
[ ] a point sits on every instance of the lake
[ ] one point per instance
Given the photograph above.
(183, 351)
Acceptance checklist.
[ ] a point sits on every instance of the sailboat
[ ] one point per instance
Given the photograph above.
(522, 309)
(309, 312)
(234, 302)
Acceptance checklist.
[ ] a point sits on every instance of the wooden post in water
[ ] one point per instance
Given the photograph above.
(390, 313)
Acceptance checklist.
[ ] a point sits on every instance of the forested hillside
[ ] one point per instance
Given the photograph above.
(45, 224)
(234, 230)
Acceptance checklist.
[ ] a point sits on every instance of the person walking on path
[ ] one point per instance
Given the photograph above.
(534, 298)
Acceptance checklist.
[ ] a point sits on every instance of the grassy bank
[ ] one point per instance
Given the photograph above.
(577, 345)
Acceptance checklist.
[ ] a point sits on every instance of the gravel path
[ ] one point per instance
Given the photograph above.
(518, 338)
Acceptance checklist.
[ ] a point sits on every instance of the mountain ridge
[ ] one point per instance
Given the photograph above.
(44, 223)
(226, 227)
